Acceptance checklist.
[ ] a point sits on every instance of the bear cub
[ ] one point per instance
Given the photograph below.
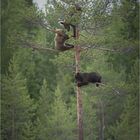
(60, 38)
(86, 78)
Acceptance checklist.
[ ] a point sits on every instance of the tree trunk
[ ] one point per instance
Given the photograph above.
(79, 97)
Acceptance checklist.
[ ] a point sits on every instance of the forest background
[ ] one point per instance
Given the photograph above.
(38, 98)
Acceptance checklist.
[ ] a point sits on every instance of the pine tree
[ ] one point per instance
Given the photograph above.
(89, 117)
(62, 124)
(44, 112)
(128, 128)
(16, 106)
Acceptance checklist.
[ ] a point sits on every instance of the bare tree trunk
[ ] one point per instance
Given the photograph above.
(79, 97)
(79, 114)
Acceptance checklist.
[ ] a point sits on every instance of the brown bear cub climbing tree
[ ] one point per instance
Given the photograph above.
(86, 78)
(60, 38)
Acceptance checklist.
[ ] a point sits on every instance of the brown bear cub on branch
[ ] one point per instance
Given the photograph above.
(60, 38)
(86, 78)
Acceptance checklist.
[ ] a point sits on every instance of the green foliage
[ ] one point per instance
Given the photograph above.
(62, 119)
(44, 112)
(55, 119)
(89, 117)
(110, 111)
(12, 25)
(35, 67)
(121, 35)
(129, 11)
(128, 127)
(17, 107)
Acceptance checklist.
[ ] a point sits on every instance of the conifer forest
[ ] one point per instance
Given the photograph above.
(70, 70)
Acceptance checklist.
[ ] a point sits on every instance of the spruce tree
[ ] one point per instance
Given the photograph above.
(61, 122)
(44, 112)
(16, 106)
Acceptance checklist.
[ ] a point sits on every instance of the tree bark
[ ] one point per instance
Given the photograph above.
(79, 97)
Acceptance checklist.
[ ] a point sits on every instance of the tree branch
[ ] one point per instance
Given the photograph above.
(116, 91)
(37, 47)
(100, 48)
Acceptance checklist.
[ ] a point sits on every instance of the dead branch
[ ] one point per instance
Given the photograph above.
(116, 91)
(36, 47)
(100, 48)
